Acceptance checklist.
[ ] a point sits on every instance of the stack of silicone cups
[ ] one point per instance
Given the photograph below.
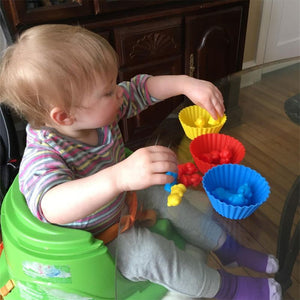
(188, 116)
(215, 142)
(230, 177)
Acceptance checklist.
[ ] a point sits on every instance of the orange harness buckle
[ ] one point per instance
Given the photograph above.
(7, 288)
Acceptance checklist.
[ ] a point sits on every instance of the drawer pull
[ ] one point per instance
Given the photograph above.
(79, 2)
(192, 65)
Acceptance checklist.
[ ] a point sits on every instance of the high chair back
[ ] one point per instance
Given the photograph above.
(44, 260)
(9, 151)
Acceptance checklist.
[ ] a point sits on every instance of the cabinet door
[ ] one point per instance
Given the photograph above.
(31, 12)
(153, 48)
(214, 43)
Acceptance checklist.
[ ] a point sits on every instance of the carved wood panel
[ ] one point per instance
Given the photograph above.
(141, 43)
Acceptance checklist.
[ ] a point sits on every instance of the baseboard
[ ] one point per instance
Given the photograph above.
(251, 77)
(255, 75)
(249, 64)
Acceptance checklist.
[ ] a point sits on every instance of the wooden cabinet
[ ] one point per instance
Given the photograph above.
(212, 47)
(204, 39)
(27, 12)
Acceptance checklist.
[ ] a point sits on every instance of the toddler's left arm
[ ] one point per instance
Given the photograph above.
(200, 92)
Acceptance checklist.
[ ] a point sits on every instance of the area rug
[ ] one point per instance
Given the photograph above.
(292, 108)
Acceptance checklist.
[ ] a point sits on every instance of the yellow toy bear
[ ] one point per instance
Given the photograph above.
(176, 194)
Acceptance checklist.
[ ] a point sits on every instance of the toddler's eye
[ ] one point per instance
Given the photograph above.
(109, 94)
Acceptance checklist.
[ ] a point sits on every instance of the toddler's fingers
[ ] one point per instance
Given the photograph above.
(161, 178)
(159, 148)
(162, 153)
(220, 109)
(215, 108)
(164, 167)
(163, 158)
(218, 94)
(212, 110)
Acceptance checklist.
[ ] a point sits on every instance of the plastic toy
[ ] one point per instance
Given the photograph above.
(187, 168)
(229, 197)
(223, 156)
(245, 190)
(211, 121)
(188, 174)
(200, 122)
(241, 197)
(44, 261)
(168, 186)
(191, 180)
(176, 194)
(176, 190)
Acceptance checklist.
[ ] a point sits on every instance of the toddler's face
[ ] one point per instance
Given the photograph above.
(101, 105)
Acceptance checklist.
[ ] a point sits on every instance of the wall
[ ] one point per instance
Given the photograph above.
(253, 30)
(273, 31)
(283, 37)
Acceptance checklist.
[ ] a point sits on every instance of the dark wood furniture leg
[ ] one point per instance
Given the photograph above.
(288, 244)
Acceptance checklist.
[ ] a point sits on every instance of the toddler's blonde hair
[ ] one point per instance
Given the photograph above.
(53, 65)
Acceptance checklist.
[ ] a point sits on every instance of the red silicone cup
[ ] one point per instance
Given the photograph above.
(209, 142)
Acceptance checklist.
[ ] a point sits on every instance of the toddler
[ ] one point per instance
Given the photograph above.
(74, 173)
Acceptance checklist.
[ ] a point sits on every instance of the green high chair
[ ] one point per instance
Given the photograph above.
(47, 262)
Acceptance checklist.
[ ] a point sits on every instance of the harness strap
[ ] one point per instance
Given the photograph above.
(145, 218)
(7, 288)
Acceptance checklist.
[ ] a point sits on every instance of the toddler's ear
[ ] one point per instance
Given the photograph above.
(60, 117)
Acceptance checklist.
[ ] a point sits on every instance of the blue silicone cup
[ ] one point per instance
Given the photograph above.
(231, 177)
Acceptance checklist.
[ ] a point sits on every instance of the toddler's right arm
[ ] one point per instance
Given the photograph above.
(75, 199)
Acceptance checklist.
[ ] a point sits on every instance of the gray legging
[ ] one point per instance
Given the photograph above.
(143, 255)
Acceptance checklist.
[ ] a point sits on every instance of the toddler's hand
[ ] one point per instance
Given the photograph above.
(146, 167)
(206, 95)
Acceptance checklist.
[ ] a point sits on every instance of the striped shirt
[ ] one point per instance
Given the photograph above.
(51, 159)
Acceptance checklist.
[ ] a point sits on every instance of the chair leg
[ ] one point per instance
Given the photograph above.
(287, 245)
(283, 276)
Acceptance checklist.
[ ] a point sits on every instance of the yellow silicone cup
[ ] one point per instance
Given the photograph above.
(188, 117)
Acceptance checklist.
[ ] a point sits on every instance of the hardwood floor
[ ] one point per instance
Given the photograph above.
(272, 143)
